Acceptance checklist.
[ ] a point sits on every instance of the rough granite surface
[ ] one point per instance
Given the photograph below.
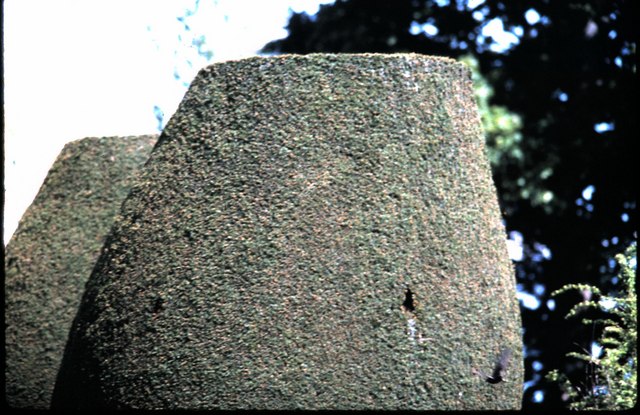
(315, 232)
(52, 253)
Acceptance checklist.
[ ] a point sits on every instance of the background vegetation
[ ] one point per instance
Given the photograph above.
(610, 380)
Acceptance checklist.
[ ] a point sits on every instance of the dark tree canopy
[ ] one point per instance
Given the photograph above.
(571, 76)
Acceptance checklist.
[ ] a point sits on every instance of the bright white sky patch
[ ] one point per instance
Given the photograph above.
(537, 365)
(607, 303)
(82, 68)
(538, 396)
(427, 28)
(603, 127)
(514, 246)
(472, 4)
(503, 40)
(561, 96)
(596, 350)
(532, 16)
(528, 300)
(587, 192)
(542, 250)
(538, 289)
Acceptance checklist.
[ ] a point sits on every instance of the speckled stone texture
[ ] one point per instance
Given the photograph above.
(317, 232)
(52, 253)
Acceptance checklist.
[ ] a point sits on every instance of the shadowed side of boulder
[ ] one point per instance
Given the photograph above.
(52, 253)
(316, 232)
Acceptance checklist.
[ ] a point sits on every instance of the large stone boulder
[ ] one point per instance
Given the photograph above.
(317, 232)
(52, 253)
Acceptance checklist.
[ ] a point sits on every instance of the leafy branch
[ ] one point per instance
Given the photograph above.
(611, 379)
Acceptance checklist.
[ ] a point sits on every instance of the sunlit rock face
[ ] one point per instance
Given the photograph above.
(50, 257)
(316, 232)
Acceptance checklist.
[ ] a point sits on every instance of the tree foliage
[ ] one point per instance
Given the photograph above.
(610, 381)
(564, 173)
(501, 126)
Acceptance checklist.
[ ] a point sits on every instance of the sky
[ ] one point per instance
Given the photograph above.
(86, 68)
(94, 68)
